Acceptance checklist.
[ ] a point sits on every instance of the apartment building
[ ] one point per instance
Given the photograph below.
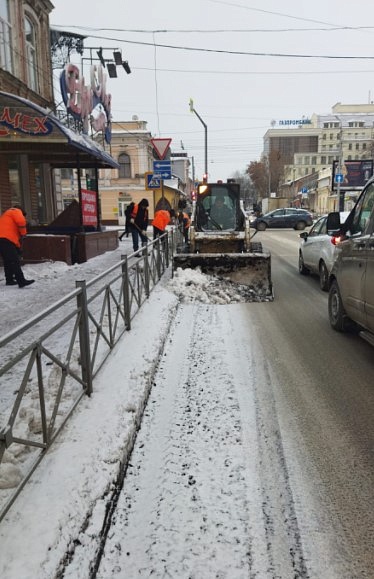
(325, 142)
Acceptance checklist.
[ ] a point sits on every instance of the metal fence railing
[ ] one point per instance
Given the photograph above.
(49, 363)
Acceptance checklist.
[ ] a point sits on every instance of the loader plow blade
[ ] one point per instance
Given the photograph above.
(249, 269)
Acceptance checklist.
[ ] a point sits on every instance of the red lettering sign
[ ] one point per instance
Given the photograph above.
(89, 207)
(23, 123)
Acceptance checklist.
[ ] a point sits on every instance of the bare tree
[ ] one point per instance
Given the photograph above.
(258, 172)
(247, 188)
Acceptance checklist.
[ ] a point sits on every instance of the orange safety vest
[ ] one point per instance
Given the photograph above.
(161, 219)
(186, 220)
(13, 225)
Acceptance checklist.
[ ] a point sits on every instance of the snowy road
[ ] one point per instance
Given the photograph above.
(254, 457)
(207, 492)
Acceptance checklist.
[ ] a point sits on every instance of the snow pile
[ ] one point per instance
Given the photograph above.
(191, 285)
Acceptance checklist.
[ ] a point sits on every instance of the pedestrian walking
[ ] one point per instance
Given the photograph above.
(12, 230)
(139, 223)
(129, 209)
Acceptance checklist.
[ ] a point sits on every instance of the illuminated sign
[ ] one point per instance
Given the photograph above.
(22, 123)
(87, 103)
(295, 122)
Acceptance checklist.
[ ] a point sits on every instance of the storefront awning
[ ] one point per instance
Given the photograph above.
(27, 128)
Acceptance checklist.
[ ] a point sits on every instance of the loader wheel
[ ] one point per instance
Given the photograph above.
(261, 226)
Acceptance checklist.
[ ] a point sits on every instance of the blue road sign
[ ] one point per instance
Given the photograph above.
(339, 178)
(304, 190)
(153, 181)
(162, 168)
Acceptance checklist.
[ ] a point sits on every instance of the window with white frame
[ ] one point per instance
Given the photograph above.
(6, 61)
(31, 58)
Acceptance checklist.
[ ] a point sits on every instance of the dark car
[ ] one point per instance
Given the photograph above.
(286, 217)
(351, 282)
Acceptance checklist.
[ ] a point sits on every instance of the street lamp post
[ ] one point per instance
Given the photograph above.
(192, 109)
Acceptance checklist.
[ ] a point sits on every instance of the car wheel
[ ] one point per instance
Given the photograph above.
(337, 315)
(261, 226)
(302, 269)
(300, 225)
(323, 277)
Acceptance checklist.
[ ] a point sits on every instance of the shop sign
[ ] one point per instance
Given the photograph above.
(12, 120)
(89, 207)
(87, 103)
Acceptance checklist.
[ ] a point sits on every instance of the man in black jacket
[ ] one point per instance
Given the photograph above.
(139, 223)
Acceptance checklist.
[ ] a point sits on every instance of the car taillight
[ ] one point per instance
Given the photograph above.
(336, 239)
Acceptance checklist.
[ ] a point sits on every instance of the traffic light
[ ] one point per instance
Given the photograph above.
(205, 178)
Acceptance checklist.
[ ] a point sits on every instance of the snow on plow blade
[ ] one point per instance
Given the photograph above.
(249, 269)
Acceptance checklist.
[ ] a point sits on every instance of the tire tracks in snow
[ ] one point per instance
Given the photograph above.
(207, 492)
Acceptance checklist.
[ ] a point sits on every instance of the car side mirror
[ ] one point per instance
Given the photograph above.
(304, 235)
(333, 221)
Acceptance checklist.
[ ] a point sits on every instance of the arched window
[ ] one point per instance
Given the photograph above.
(31, 60)
(5, 37)
(124, 166)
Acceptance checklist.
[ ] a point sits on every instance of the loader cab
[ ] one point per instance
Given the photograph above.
(218, 207)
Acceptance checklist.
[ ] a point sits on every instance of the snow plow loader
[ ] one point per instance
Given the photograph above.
(220, 242)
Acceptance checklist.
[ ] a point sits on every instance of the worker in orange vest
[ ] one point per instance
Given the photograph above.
(185, 221)
(12, 230)
(161, 219)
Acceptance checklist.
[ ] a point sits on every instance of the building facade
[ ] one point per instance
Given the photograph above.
(25, 71)
(131, 147)
(327, 142)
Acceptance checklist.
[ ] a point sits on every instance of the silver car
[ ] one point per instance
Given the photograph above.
(351, 282)
(317, 250)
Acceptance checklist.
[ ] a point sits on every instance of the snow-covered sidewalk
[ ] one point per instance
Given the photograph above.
(71, 482)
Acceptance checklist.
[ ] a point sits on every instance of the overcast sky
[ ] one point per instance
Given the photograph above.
(205, 50)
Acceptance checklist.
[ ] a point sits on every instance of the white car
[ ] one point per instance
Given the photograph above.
(317, 250)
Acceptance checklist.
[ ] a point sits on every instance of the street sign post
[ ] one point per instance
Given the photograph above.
(161, 146)
(152, 181)
(162, 168)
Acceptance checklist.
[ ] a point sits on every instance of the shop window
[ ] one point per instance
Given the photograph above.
(124, 166)
(31, 59)
(14, 169)
(67, 173)
(6, 61)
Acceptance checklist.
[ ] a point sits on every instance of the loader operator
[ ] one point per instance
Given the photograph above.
(221, 215)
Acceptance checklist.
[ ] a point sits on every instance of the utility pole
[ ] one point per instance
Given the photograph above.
(192, 109)
(339, 193)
